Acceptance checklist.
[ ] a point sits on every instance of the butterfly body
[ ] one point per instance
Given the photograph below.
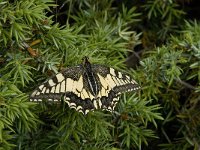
(90, 77)
(86, 87)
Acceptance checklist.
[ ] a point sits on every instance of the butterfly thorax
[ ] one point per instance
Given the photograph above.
(90, 77)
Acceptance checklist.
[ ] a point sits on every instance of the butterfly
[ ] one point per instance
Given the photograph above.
(86, 87)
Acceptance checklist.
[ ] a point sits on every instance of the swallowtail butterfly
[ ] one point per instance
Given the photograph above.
(86, 87)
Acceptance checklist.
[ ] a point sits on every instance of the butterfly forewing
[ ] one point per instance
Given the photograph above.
(76, 86)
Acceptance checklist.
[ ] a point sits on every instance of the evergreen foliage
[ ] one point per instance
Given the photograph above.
(164, 114)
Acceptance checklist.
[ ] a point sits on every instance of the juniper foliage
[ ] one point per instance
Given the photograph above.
(36, 44)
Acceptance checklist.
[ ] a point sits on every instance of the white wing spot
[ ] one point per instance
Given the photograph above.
(74, 87)
(66, 99)
(84, 94)
(116, 81)
(33, 94)
(128, 77)
(51, 83)
(112, 71)
(115, 99)
(103, 82)
(57, 89)
(43, 90)
(79, 85)
(41, 86)
(60, 77)
(69, 85)
(110, 81)
(95, 104)
(134, 82)
(103, 92)
(123, 81)
(120, 81)
(109, 108)
(53, 89)
(81, 111)
(119, 74)
(38, 93)
(86, 111)
(79, 108)
(47, 91)
(78, 94)
(100, 104)
(62, 88)
(72, 105)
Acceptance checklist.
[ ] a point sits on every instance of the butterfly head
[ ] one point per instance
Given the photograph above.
(85, 62)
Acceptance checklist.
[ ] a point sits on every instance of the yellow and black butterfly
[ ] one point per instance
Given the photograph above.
(86, 87)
